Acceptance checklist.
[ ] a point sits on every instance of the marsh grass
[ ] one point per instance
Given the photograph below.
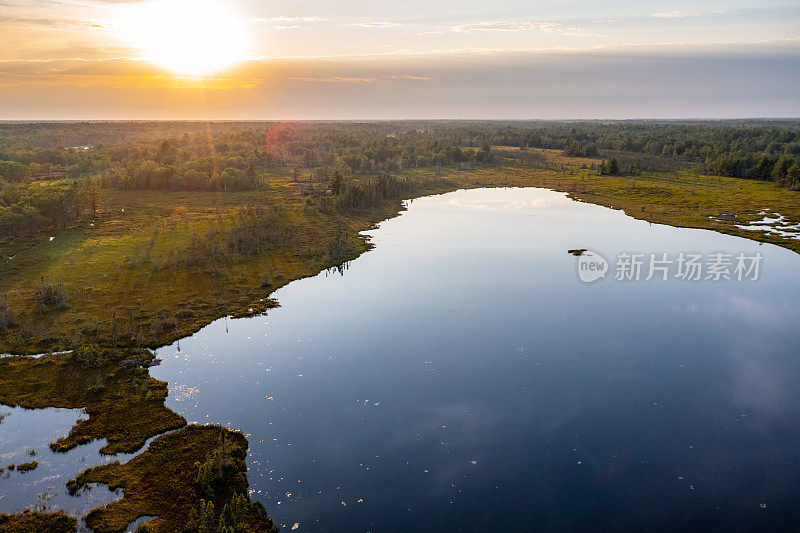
(27, 467)
(6, 317)
(146, 272)
(179, 474)
(125, 405)
(36, 522)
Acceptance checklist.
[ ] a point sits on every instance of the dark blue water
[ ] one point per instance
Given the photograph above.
(461, 377)
(25, 435)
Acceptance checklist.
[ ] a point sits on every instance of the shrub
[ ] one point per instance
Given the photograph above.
(6, 318)
(167, 322)
(180, 213)
(51, 296)
(341, 248)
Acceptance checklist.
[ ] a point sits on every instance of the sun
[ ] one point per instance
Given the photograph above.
(187, 37)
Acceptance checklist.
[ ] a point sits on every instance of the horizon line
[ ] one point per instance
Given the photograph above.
(407, 119)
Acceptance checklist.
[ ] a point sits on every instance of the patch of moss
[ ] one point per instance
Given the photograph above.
(188, 478)
(124, 403)
(32, 522)
(27, 467)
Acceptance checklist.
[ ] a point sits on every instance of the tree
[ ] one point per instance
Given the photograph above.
(208, 519)
(484, 154)
(206, 476)
(336, 183)
(13, 171)
(781, 170)
(613, 166)
(793, 175)
(93, 194)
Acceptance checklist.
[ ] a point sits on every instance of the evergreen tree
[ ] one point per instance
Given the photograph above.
(208, 519)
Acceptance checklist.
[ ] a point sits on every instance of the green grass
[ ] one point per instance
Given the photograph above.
(126, 407)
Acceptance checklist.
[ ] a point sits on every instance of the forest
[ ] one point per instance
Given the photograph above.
(54, 174)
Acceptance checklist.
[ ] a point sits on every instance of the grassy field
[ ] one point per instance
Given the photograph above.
(125, 276)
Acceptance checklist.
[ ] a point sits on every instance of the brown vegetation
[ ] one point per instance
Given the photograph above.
(176, 479)
(33, 522)
(125, 405)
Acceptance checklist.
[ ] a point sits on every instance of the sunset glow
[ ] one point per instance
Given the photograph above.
(188, 37)
(246, 59)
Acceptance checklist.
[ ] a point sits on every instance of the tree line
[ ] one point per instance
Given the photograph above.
(53, 174)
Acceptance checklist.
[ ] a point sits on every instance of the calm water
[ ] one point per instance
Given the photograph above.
(461, 376)
(24, 431)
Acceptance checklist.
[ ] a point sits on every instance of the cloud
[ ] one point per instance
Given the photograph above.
(378, 24)
(286, 23)
(684, 14)
(336, 79)
(290, 20)
(547, 27)
(625, 83)
(354, 79)
(17, 21)
(409, 77)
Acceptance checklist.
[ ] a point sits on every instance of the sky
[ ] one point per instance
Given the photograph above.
(345, 59)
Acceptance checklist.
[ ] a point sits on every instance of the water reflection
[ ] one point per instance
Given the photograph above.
(25, 436)
(462, 377)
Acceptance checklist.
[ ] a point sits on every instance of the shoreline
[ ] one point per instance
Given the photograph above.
(508, 178)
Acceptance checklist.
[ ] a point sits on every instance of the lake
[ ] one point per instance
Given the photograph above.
(25, 436)
(462, 376)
